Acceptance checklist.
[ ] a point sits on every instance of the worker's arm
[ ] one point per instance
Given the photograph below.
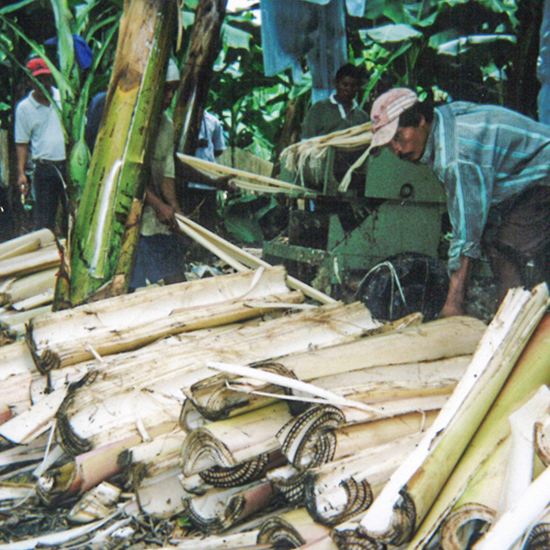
(454, 304)
(169, 193)
(164, 210)
(189, 173)
(22, 152)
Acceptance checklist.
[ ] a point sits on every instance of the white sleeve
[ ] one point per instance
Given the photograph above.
(22, 126)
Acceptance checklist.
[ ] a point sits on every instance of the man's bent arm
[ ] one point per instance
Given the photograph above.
(163, 211)
(454, 304)
(196, 176)
(22, 152)
(169, 193)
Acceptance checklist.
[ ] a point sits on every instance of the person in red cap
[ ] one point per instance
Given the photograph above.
(39, 134)
(494, 166)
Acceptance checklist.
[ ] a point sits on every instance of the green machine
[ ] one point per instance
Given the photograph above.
(393, 210)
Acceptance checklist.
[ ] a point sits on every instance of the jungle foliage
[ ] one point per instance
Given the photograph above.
(480, 50)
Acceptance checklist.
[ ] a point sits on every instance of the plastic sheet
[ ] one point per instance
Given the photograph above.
(314, 29)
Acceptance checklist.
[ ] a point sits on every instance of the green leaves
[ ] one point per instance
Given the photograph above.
(234, 37)
(465, 44)
(461, 47)
(15, 6)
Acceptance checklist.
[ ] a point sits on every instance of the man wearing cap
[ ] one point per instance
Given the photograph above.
(494, 166)
(38, 132)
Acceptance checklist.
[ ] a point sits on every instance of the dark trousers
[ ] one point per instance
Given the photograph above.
(49, 194)
(159, 257)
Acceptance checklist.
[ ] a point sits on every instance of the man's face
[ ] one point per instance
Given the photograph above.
(409, 142)
(347, 89)
(46, 80)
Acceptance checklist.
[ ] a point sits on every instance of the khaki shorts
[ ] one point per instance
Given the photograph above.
(519, 230)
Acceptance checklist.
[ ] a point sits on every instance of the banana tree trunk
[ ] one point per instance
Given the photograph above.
(197, 73)
(107, 225)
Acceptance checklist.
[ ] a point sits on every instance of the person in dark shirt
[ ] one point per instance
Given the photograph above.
(339, 112)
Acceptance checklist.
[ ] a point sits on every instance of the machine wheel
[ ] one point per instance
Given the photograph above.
(424, 283)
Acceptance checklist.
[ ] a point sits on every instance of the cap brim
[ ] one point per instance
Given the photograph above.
(41, 71)
(385, 134)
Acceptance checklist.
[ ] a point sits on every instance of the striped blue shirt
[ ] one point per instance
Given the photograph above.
(483, 155)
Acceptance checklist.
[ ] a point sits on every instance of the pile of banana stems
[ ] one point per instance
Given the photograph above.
(28, 268)
(454, 486)
(268, 421)
(250, 451)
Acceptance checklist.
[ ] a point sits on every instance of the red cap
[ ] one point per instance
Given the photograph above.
(386, 111)
(37, 66)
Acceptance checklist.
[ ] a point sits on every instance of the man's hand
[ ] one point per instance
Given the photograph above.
(22, 152)
(165, 214)
(23, 185)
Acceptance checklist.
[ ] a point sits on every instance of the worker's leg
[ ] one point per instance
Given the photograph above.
(519, 249)
(49, 193)
(45, 200)
(507, 273)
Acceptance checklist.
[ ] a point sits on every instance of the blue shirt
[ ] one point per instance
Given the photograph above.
(483, 155)
(210, 134)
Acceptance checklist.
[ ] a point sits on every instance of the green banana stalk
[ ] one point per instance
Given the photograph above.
(117, 173)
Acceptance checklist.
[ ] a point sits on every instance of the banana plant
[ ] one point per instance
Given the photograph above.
(459, 50)
(197, 73)
(73, 89)
(106, 230)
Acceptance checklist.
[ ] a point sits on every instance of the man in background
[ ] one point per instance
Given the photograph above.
(339, 112)
(39, 136)
(160, 254)
(161, 251)
(200, 199)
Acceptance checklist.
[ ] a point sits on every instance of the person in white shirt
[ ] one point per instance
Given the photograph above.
(39, 135)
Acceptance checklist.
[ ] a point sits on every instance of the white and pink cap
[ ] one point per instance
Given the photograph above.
(386, 111)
